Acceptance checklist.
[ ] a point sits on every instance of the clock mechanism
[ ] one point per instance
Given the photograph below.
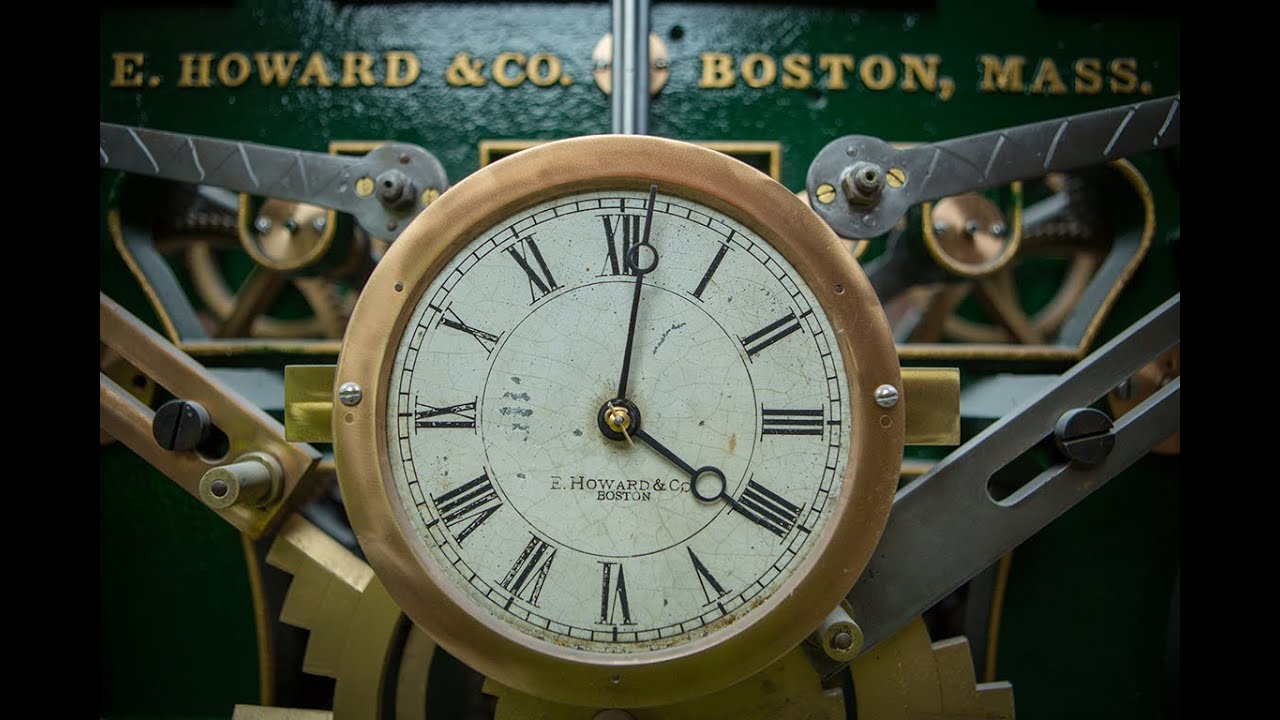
(619, 426)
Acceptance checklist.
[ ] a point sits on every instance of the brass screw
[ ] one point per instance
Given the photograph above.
(364, 186)
(826, 193)
(429, 196)
(896, 178)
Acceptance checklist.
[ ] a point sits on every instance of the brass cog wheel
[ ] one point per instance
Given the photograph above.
(200, 237)
(1076, 237)
(357, 637)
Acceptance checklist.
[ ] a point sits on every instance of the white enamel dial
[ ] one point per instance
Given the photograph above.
(514, 490)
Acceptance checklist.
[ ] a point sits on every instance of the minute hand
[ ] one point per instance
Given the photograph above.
(382, 189)
(979, 161)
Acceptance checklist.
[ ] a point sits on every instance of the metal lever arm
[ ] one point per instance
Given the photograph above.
(384, 189)
(900, 178)
(945, 527)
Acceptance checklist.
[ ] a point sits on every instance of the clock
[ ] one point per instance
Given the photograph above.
(609, 427)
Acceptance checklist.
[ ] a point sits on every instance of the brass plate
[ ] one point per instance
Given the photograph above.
(496, 648)
(932, 397)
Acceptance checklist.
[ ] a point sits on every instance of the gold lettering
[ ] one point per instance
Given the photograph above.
(796, 72)
(1005, 75)
(396, 77)
(768, 70)
(920, 72)
(717, 70)
(193, 75)
(316, 72)
(835, 65)
(1088, 76)
(1048, 74)
(357, 64)
(878, 80)
(552, 73)
(464, 71)
(273, 68)
(127, 70)
(1124, 75)
(235, 78)
(500, 63)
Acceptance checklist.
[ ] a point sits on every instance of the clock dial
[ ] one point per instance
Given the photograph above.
(620, 444)
(571, 535)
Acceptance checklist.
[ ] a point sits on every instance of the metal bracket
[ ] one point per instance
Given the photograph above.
(247, 427)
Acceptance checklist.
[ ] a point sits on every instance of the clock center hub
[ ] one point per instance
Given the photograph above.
(618, 419)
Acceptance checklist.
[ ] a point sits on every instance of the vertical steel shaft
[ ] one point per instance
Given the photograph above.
(630, 67)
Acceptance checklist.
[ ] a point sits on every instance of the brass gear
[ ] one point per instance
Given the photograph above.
(1077, 235)
(354, 623)
(199, 233)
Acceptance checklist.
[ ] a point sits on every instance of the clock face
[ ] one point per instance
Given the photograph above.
(583, 537)
(598, 535)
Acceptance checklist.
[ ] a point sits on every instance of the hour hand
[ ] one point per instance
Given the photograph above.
(861, 186)
(384, 189)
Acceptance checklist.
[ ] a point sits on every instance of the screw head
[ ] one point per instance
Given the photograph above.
(1085, 435)
(896, 177)
(842, 641)
(181, 425)
(350, 394)
(262, 225)
(997, 229)
(318, 224)
(940, 228)
(886, 396)
(826, 193)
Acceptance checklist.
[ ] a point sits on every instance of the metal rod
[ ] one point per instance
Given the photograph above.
(630, 67)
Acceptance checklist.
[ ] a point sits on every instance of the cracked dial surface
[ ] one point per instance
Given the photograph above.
(590, 542)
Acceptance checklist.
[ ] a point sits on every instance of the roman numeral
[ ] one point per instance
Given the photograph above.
(715, 263)
(616, 260)
(424, 413)
(526, 577)
(767, 509)
(705, 578)
(487, 340)
(538, 281)
(471, 503)
(613, 595)
(770, 334)
(790, 422)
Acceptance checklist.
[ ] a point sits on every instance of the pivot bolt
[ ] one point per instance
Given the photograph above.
(395, 190)
(863, 183)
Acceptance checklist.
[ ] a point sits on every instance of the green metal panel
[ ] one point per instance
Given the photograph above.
(1086, 612)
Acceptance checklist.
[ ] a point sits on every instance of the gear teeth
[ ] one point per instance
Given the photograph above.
(354, 623)
(907, 677)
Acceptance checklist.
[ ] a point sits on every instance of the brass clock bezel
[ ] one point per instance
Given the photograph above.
(497, 648)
